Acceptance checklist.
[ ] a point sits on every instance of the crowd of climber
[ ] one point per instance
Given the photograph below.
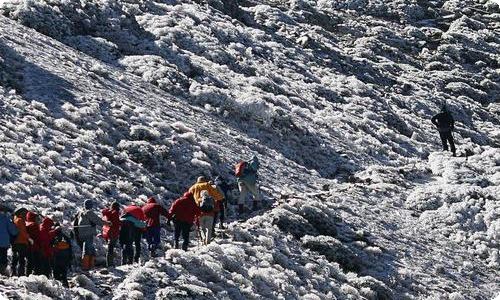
(42, 247)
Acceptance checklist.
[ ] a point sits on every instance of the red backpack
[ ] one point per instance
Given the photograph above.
(238, 168)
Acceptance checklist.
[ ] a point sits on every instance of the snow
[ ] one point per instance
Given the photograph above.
(120, 100)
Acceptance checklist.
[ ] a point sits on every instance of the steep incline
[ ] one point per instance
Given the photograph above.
(325, 92)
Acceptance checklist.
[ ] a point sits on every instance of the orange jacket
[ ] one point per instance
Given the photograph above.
(197, 188)
(22, 237)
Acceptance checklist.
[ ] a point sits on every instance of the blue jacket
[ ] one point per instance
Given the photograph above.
(7, 229)
(250, 172)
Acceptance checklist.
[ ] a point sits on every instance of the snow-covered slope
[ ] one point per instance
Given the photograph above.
(139, 98)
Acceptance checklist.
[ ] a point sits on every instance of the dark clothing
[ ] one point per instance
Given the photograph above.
(444, 121)
(45, 265)
(447, 137)
(61, 264)
(130, 235)
(222, 213)
(33, 263)
(110, 254)
(19, 253)
(445, 124)
(153, 238)
(3, 260)
(182, 228)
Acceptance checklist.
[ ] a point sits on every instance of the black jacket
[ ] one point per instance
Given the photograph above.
(444, 121)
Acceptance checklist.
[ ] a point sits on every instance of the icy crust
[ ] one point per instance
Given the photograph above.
(362, 87)
(462, 203)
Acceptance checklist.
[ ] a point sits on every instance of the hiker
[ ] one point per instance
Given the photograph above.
(87, 222)
(111, 231)
(7, 232)
(202, 184)
(47, 233)
(62, 257)
(246, 173)
(223, 187)
(205, 221)
(445, 124)
(34, 254)
(132, 225)
(152, 210)
(20, 245)
(184, 211)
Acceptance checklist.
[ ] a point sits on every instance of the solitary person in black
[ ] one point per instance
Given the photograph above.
(445, 123)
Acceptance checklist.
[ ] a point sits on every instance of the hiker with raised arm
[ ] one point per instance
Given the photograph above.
(8, 231)
(246, 174)
(153, 210)
(87, 221)
(111, 231)
(184, 211)
(445, 124)
(132, 226)
(20, 245)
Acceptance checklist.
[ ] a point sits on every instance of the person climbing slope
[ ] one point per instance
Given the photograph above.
(63, 255)
(223, 187)
(7, 231)
(132, 225)
(184, 211)
(152, 210)
(445, 124)
(20, 245)
(206, 219)
(47, 233)
(111, 231)
(34, 251)
(202, 184)
(87, 221)
(246, 174)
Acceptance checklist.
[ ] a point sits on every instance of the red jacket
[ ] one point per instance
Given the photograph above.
(111, 231)
(184, 209)
(153, 211)
(33, 231)
(47, 234)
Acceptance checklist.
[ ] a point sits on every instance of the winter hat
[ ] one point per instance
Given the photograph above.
(115, 205)
(88, 204)
(201, 179)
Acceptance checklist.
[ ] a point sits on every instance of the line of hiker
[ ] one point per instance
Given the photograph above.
(46, 248)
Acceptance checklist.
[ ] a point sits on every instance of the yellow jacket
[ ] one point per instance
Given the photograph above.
(198, 187)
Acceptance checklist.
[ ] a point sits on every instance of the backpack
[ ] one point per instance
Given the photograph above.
(61, 242)
(239, 168)
(207, 202)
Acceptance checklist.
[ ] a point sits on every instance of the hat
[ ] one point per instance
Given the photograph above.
(20, 211)
(201, 179)
(88, 204)
(115, 205)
